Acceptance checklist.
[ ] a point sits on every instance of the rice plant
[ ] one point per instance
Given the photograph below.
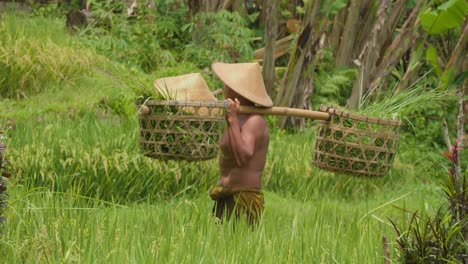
(418, 99)
(31, 65)
(67, 227)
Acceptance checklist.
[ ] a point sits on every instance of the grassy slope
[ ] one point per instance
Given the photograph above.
(71, 160)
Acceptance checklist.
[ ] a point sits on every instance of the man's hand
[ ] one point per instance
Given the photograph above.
(233, 110)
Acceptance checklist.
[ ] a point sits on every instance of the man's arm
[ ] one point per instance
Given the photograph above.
(243, 142)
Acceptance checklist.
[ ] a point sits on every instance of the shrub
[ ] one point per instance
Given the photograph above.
(220, 36)
(442, 238)
(149, 41)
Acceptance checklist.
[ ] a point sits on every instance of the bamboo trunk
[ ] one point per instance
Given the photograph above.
(370, 56)
(411, 73)
(404, 41)
(367, 15)
(344, 53)
(390, 26)
(282, 47)
(271, 27)
(297, 84)
(338, 25)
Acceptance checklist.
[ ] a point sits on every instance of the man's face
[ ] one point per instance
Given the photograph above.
(229, 93)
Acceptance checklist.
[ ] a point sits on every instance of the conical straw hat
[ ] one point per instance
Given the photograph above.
(245, 79)
(191, 87)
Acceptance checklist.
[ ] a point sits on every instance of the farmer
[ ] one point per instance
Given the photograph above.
(244, 144)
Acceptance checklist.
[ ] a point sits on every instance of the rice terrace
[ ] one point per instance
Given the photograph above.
(228, 131)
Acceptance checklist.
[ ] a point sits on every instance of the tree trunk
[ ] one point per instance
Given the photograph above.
(344, 53)
(370, 56)
(282, 47)
(297, 84)
(411, 73)
(391, 24)
(337, 29)
(271, 28)
(195, 6)
(403, 42)
(367, 16)
(235, 6)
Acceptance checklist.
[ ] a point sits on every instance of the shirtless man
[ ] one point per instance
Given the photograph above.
(244, 144)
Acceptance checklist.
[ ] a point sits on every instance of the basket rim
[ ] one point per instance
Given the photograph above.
(337, 112)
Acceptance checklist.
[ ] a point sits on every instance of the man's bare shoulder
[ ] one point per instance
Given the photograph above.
(256, 122)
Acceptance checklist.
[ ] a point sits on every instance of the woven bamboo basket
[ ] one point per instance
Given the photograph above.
(356, 144)
(181, 130)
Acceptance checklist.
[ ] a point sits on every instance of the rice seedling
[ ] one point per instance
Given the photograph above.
(413, 100)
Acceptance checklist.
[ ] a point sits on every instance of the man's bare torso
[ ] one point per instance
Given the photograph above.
(249, 175)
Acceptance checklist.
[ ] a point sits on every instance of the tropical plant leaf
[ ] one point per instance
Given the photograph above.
(459, 79)
(335, 7)
(449, 15)
(431, 57)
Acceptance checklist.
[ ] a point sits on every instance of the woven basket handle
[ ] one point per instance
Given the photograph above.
(285, 111)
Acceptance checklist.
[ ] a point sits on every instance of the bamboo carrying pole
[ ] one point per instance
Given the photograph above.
(281, 111)
(286, 111)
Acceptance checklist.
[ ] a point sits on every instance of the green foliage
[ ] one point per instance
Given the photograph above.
(443, 238)
(331, 9)
(427, 239)
(220, 36)
(431, 57)
(448, 15)
(149, 41)
(118, 104)
(412, 101)
(44, 10)
(332, 85)
(447, 77)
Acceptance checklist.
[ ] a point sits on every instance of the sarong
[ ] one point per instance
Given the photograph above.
(243, 202)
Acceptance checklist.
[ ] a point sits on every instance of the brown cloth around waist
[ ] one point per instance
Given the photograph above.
(248, 202)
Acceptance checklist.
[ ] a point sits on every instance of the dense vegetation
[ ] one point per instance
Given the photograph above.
(81, 191)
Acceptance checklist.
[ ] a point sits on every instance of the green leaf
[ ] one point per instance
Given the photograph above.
(431, 57)
(449, 15)
(335, 7)
(459, 79)
(447, 78)
(253, 17)
(187, 26)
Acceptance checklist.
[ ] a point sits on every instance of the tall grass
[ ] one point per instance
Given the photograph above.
(99, 158)
(29, 65)
(47, 227)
